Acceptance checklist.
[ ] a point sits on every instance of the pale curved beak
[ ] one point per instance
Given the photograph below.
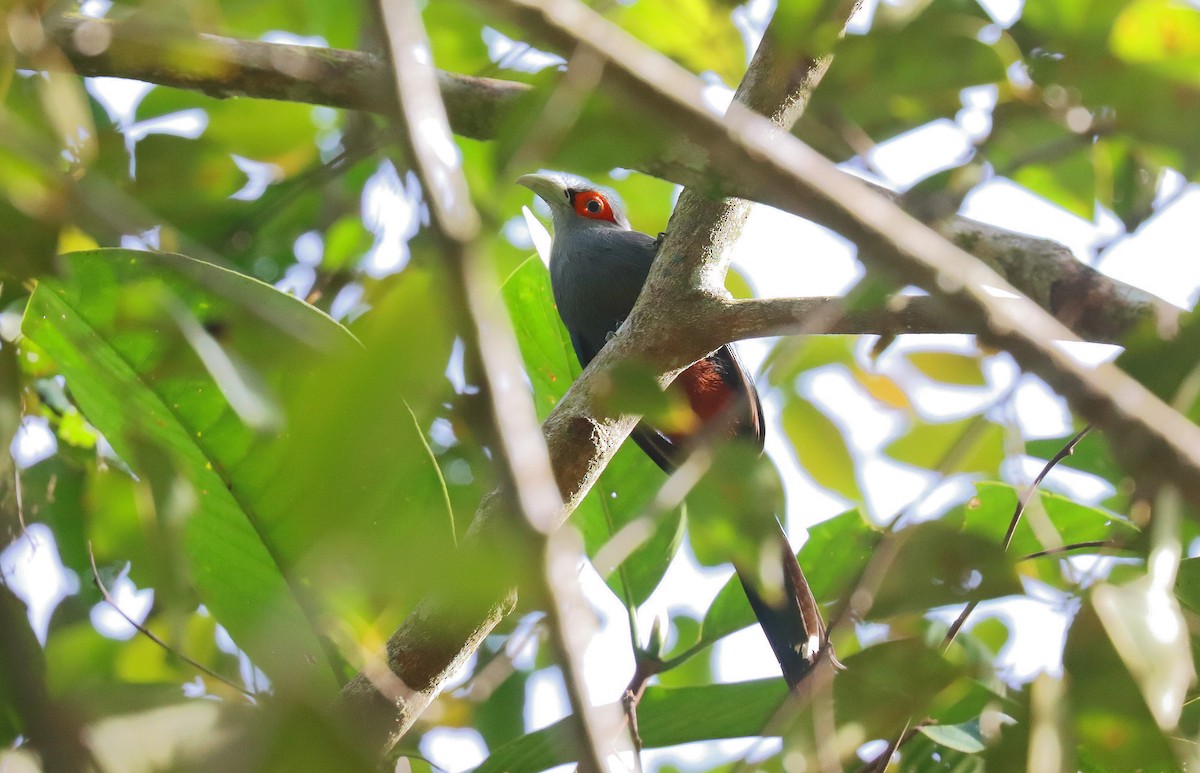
(548, 188)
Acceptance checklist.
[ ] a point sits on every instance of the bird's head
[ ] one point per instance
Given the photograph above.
(575, 202)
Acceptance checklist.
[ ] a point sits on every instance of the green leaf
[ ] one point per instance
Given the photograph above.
(949, 368)
(936, 566)
(695, 33)
(991, 511)
(964, 738)
(820, 448)
(178, 429)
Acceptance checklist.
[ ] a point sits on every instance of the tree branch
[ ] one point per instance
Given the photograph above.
(225, 67)
(1096, 307)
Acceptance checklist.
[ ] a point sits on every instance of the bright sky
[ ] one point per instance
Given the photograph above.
(1157, 258)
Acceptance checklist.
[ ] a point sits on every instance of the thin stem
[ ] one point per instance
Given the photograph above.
(144, 631)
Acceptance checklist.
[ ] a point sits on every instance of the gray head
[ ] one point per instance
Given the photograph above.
(577, 203)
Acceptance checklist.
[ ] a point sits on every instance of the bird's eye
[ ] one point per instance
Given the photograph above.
(593, 206)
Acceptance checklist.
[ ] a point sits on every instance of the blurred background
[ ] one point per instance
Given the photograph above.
(245, 439)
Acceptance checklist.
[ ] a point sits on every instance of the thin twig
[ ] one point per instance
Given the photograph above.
(1022, 502)
(153, 636)
(1073, 547)
(1063, 453)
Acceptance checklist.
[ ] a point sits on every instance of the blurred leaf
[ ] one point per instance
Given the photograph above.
(882, 388)
(922, 755)
(695, 33)
(1147, 628)
(732, 509)
(794, 355)
(963, 738)
(949, 367)
(833, 557)
(666, 717)
(885, 685)
(1114, 727)
(880, 88)
(936, 566)
(820, 448)
(970, 445)
(1162, 34)
(1187, 583)
(122, 381)
(991, 511)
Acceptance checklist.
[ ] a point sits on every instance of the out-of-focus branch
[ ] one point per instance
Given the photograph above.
(1158, 445)
(228, 67)
(1096, 307)
(528, 480)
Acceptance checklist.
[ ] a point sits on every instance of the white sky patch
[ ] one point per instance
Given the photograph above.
(742, 656)
(259, 176)
(1160, 258)
(298, 280)
(716, 94)
(686, 588)
(392, 210)
(308, 248)
(1040, 411)
(253, 679)
(136, 604)
(537, 233)
(975, 118)
(453, 749)
(1003, 12)
(348, 303)
(546, 699)
(509, 54)
(517, 232)
(750, 20)
(783, 255)
(34, 442)
(119, 97)
(908, 158)
(280, 36)
(460, 676)
(95, 9)
(34, 572)
(608, 659)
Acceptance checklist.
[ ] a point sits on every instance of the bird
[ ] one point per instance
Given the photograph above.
(598, 265)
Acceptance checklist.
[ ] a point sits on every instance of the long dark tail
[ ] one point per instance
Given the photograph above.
(791, 620)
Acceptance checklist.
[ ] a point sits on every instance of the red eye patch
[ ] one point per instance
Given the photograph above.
(593, 204)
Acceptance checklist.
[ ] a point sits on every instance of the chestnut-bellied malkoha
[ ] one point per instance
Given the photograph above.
(598, 265)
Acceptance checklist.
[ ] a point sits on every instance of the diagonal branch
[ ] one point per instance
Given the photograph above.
(528, 484)
(1096, 307)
